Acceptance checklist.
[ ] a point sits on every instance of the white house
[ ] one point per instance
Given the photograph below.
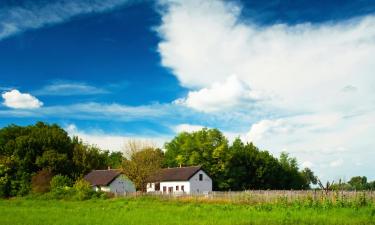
(110, 181)
(188, 180)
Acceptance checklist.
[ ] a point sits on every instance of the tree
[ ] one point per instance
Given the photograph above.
(26, 150)
(143, 161)
(358, 183)
(207, 147)
(309, 177)
(114, 159)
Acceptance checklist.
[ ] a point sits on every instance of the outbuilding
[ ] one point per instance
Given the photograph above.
(110, 181)
(190, 180)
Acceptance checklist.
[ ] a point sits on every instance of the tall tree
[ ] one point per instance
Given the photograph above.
(207, 147)
(143, 161)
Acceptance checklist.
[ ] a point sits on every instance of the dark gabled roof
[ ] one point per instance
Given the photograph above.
(102, 177)
(175, 174)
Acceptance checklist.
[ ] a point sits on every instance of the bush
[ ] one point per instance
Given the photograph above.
(60, 182)
(40, 182)
(83, 190)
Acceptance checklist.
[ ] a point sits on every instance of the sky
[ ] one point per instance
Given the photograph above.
(295, 76)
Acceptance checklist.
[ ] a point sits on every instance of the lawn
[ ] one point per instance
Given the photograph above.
(143, 211)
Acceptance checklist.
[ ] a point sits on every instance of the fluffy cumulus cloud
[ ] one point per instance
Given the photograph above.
(220, 95)
(315, 81)
(206, 42)
(17, 100)
(36, 14)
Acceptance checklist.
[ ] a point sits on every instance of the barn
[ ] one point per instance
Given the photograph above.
(189, 180)
(110, 181)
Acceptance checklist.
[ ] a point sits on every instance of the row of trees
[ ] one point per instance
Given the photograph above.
(355, 183)
(30, 156)
(236, 166)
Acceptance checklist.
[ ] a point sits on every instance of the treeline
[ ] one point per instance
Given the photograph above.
(236, 166)
(357, 183)
(38, 152)
(31, 156)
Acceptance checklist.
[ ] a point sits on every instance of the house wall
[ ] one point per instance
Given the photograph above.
(197, 186)
(120, 185)
(194, 185)
(172, 184)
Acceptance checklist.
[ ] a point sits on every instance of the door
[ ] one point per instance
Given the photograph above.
(157, 186)
(170, 189)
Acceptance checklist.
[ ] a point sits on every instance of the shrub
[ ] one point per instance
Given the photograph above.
(60, 182)
(83, 190)
(40, 182)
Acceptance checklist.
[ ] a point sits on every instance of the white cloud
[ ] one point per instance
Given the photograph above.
(69, 88)
(336, 163)
(187, 128)
(112, 142)
(17, 100)
(205, 42)
(315, 80)
(35, 15)
(220, 95)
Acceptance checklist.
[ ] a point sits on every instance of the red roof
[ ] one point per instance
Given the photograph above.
(102, 177)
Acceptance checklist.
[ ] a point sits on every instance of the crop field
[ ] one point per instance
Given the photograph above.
(154, 210)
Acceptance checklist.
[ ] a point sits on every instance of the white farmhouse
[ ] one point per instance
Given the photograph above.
(110, 181)
(180, 180)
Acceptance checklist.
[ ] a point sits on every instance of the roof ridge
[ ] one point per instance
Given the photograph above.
(181, 167)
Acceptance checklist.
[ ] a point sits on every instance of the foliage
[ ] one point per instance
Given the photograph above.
(60, 182)
(142, 163)
(356, 183)
(41, 147)
(114, 159)
(40, 182)
(83, 189)
(238, 166)
(207, 147)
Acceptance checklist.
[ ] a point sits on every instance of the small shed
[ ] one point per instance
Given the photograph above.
(110, 181)
(192, 179)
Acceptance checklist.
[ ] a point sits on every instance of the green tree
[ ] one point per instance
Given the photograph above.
(207, 147)
(143, 162)
(26, 150)
(358, 183)
(309, 178)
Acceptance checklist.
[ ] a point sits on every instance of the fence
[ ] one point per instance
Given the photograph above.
(268, 196)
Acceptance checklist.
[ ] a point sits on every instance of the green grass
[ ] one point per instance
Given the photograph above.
(143, 211)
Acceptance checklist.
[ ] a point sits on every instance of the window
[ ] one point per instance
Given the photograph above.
(177, 188)
(182, 188)
(200, 177)
(164, 189)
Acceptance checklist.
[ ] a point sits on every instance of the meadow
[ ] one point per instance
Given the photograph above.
(154, 211)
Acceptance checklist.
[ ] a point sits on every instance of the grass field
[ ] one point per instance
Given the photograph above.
(139, 211)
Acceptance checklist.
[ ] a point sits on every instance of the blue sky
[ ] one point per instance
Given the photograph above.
(294, 76)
